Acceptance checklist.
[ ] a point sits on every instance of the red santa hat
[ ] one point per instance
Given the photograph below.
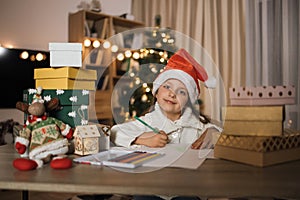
(184, 67)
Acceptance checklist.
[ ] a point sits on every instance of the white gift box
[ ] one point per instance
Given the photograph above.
(65, 54)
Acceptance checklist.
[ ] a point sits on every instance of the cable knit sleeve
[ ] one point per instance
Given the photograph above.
(124, 134)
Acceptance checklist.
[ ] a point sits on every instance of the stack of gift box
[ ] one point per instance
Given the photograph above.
(253, 131)
(66, 80)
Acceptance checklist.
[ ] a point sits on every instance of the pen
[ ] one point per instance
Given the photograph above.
(143, 122)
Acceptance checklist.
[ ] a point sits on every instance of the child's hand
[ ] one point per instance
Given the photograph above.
(152, 139)
(197, 144)
(207, 140)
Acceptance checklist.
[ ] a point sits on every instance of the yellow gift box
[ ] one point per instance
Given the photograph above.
(65, 78)
(65, 72)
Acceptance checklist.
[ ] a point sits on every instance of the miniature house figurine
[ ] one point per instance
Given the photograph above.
(86, 139)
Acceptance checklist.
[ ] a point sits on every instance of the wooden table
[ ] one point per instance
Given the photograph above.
(215, 178)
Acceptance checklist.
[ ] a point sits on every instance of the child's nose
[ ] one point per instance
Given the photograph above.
(172, 93)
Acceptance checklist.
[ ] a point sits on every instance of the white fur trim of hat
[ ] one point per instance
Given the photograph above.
(185, 78)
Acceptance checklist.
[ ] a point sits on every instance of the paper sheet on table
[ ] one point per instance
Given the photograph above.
(176, 155)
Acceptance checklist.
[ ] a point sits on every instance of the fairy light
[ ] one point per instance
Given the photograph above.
(32, 58)
(147, 89)
(96, 44)
(158, 44)
(114, 48)
(128, 54)
(87, 42)
(24, 55)
(154, 33)
(171, 41)
(154, 70)
(144, 98)
(39, 57)
(120, 57)
(106, 44)
(137, 81)
(166, 55)
(136, 55)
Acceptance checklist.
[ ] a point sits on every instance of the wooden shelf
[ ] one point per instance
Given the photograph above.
(78, 22)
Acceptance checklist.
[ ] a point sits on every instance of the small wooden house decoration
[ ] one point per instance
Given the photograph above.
(86, 139)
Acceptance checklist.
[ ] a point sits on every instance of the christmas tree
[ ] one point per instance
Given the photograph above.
(143, 67)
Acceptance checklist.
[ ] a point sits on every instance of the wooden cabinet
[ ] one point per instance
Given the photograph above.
(104, 26)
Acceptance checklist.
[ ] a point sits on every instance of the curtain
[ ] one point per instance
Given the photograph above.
(218, 26)
(273, 48)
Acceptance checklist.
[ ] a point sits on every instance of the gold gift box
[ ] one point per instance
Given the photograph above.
(65, 78)
(253, 120)
(259, 150)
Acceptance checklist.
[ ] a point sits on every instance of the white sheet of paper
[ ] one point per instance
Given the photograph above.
(176, 155)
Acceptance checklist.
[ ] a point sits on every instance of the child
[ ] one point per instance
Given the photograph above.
(176, 90)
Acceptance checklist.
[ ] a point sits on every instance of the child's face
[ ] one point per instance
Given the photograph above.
(172, 97)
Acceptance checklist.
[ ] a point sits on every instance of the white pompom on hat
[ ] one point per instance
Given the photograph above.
(184, 67)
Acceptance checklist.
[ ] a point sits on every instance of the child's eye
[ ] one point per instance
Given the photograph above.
(182, 92)
(167, 86)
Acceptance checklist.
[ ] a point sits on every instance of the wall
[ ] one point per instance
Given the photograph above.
(32, 24)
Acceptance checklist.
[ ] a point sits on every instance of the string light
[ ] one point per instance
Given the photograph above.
(39, 57)
(136, 55)
(128, 54)
(32, 58)
(106, 44)
(24, 55)
(137, 81)
(87, 42)
(96, 44)
(145, 85)
(114, 48)
(132, 74)
(120, 57)
(144, 98)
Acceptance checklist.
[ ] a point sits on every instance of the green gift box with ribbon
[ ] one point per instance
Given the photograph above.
(73, 104)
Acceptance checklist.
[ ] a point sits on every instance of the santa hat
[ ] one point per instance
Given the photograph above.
(184, 67)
